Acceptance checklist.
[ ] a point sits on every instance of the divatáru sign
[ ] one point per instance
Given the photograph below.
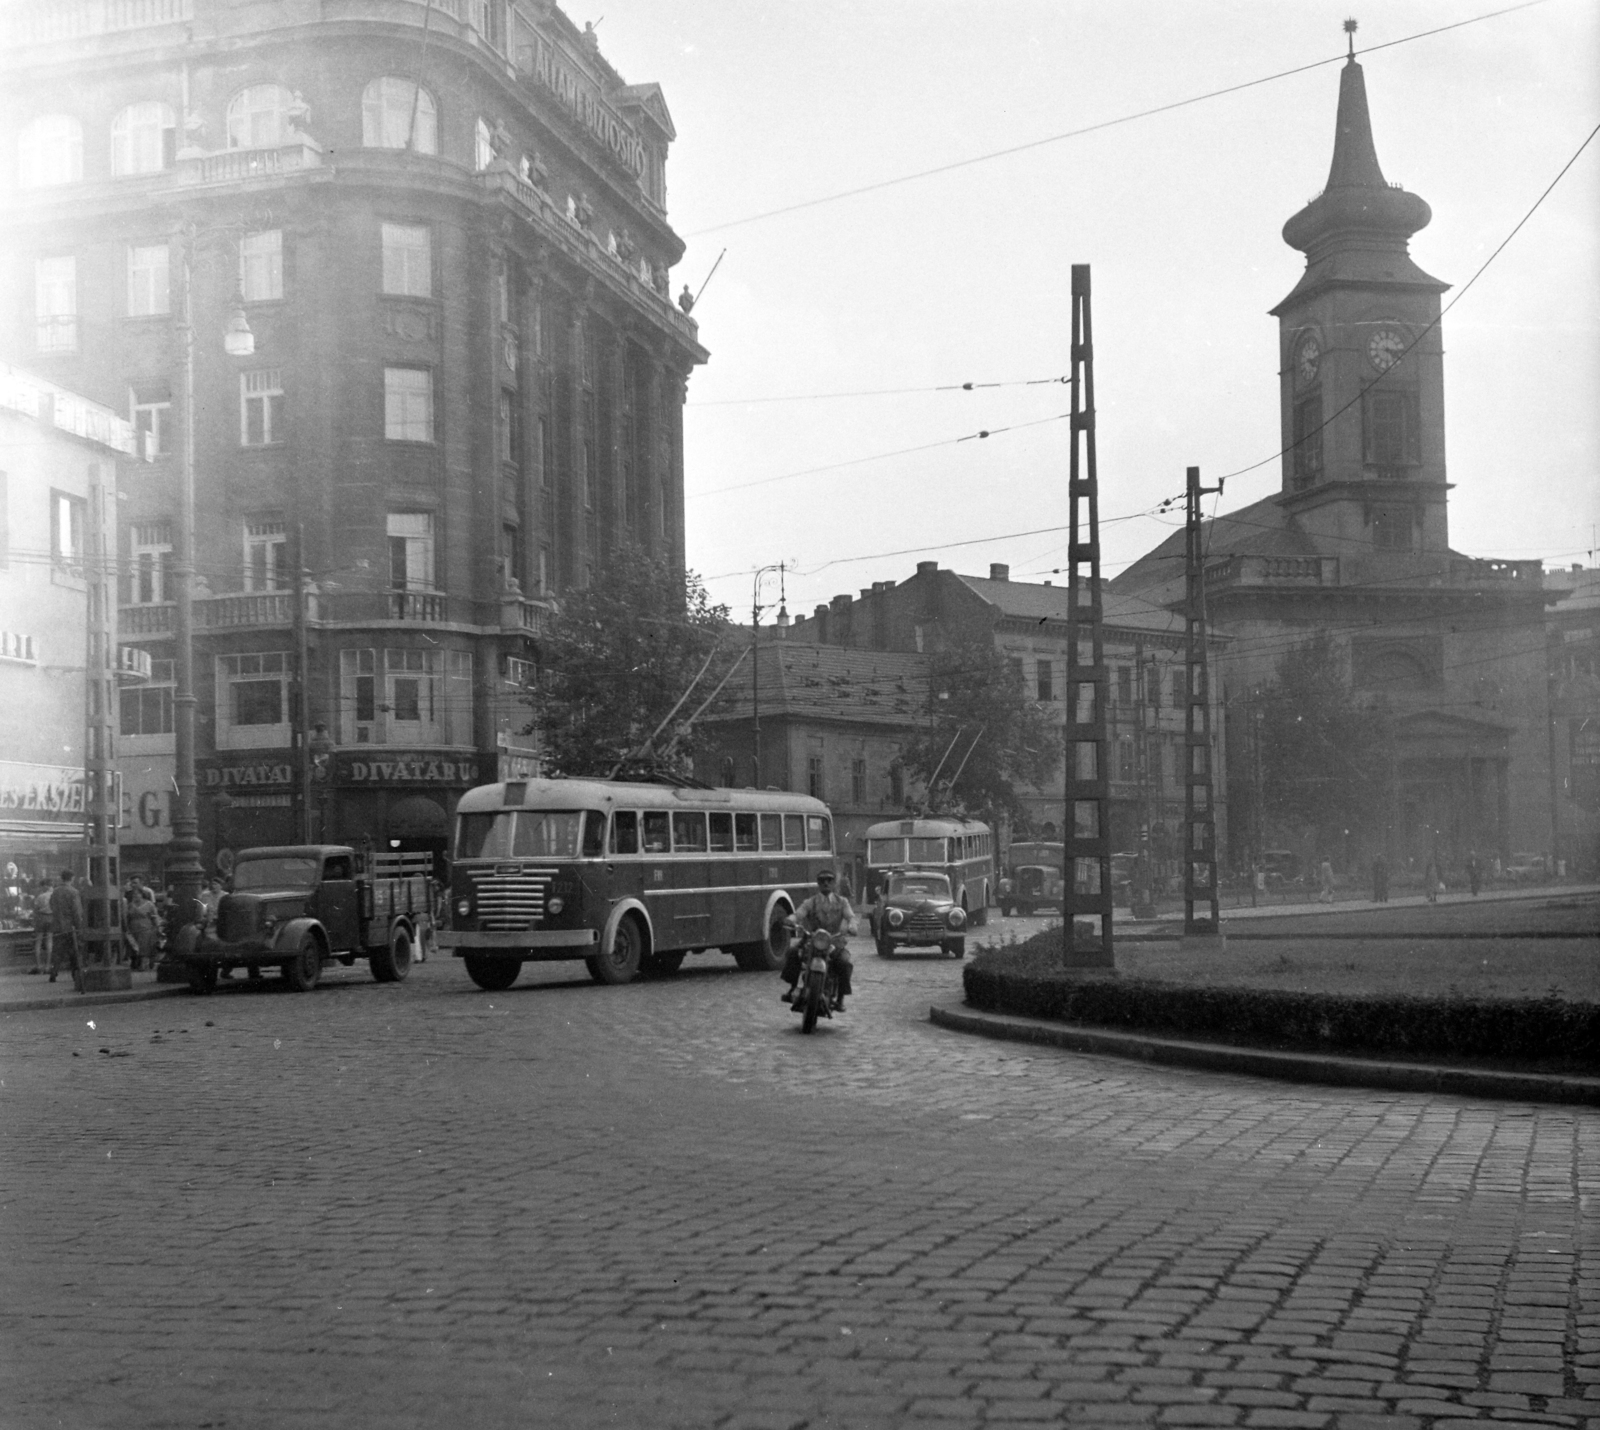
(406, 770)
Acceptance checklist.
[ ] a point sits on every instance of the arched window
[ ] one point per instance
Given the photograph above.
(258, 117)
(397, 114)
(482, 146)
(50, 151)
(143, 138)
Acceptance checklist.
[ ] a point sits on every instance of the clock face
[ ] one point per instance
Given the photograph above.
(1306, 358)
(1384, 348)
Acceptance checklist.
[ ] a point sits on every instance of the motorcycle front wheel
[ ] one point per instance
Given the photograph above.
(815, 992)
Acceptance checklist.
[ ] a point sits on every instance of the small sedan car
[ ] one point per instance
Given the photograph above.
(917, 910)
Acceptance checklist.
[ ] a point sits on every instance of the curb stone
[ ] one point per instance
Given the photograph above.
(70, 999)
(1262, 1062)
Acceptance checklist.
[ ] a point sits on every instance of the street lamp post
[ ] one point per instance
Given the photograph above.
(755, 656)
(185, 870)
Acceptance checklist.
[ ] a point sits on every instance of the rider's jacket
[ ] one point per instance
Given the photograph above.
(826, 911)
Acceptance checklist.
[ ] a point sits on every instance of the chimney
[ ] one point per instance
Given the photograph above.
(927, 568)
(819, 619)
(999, 571)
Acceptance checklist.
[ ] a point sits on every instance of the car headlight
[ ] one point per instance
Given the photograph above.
(957, 918)
(463, 907)
(555, 905)
(896, 918)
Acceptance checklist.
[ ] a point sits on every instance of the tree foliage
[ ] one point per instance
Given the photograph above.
(984, 737)
(1324, 755)
(617, 658)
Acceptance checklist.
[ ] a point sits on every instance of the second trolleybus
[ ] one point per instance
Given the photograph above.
(963, 849)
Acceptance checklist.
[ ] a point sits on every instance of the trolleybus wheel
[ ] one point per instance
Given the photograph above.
(621, 964)
(768, 955)
(491, 974)
(391, 964)
(303, 970)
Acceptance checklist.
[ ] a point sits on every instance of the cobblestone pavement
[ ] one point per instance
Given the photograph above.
(661, 1206)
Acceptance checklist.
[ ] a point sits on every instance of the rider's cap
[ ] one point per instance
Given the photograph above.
(824, 874)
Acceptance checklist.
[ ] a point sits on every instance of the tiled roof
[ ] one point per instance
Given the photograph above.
(1024, 601)
(1261, 529)
(830, 683)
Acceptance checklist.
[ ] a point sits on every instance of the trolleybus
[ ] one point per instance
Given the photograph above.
(960, 848)
(627, 876)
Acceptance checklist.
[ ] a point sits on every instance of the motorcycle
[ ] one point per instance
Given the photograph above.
(817, 988)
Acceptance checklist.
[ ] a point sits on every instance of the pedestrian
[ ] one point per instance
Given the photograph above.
(141, 928)
(66, 919)
(42, 928)
(1326, 878)
(1430, 879)
(1474, 873)
(1380, 880)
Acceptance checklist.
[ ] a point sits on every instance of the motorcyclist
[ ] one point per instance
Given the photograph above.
(832, 913)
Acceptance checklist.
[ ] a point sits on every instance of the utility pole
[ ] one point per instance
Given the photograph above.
(302, 680)
(1085, 825)
(1258, 813)
(1141, 900)
(755, 652)
(1199, 813)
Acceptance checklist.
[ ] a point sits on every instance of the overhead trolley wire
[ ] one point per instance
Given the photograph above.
(882, 392)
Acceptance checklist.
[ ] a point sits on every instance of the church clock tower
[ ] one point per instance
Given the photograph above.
(1361, 372)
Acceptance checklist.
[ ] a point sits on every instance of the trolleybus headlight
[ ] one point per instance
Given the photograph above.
(556, 905)
(896, 918)
(957, 918)
(463, 907)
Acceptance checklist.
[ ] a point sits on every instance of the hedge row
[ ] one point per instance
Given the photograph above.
(1028, 980)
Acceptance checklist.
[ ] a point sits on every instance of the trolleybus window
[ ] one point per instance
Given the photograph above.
(818, 835)
(625, 832)
(721, 833)
(884, 852)
(483, 836)
(771, 831)
(794, 831)
(594, 833)
(688, 832)
(551, 834)
(656, 840)
(744, 833)
(927, 851)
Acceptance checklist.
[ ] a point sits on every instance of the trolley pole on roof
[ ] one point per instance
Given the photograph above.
(1199, 813)
(1085, 827)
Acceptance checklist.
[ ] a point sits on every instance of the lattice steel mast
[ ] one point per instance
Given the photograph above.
(1199, 813)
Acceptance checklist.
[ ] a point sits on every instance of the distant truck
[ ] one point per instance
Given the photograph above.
(298, 906)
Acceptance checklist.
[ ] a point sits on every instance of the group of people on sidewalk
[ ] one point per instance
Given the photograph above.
(58, 924)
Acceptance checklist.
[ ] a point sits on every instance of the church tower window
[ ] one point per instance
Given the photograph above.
(1307, 441)
(1389, 422)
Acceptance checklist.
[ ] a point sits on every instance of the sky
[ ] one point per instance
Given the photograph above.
(963, 276)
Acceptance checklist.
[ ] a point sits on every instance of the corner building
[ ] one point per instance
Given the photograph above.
(445, 226)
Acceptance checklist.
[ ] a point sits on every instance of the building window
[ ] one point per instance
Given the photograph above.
(144, 139)
(261, 266)
(69, 516)
(411, 550)
(585, 488)
(150, 411)
(258, 117)
(406, 697)
(266, 553)
(1391, 528)
(358, 676)
(1014, 670)
(150, 564)
(1584, 741)
(814, 784)
(1390, 430)
(147, 709)
(1125, 686)
(1308, 440)
(50, 151)
(858, 782)
(542, 453)
(397, 114)
(55, 286)
(261, 418)
(482, 146)
(408, 260)
(897, 784)
(147, 280)
(408, 404)
(1046, 681)
(1125, 762)
(511, 552)
(542, 576)
(509, 426)
(252, 700)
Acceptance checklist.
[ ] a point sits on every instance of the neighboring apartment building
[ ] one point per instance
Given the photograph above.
(444, 227)
(55, 450)
(1145, 658)
(1574, 674)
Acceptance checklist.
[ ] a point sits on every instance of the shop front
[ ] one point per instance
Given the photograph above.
(400, 800)
(147, 785)
(41, 833)
(244, 800)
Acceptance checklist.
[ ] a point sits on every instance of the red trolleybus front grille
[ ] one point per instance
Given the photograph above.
(509, 896)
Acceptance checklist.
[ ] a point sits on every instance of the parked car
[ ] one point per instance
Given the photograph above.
(917, 910)
(1524, 869)
(1281, 866)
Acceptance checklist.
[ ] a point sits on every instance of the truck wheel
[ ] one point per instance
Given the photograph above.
(955, 947)
(621, 964)
(767, 955)
(202, 977)
(303, 970)
(391, 964)
(492, 974)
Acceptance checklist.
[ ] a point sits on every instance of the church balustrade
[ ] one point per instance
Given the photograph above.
(1273, 571)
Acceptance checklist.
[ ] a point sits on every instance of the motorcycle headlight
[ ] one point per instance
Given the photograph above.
(957, 918)
(463, 907)
(896, 918)
(555, 905)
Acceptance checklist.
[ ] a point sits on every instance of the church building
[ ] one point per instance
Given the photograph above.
(1355, 543)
